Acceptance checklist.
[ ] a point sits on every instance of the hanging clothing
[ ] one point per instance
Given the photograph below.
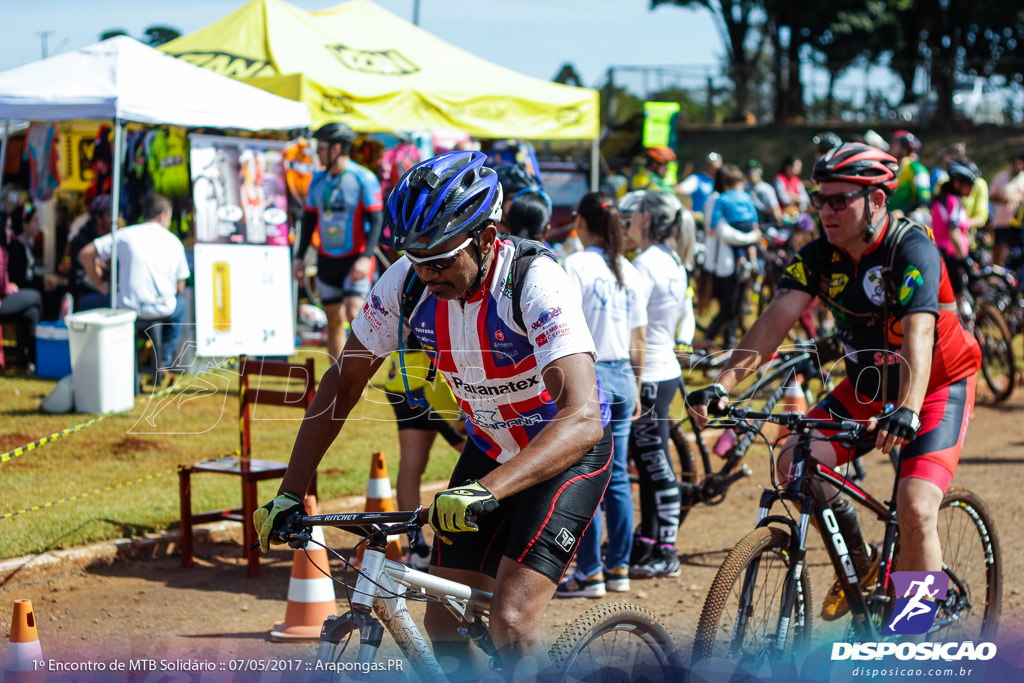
(168, 163)
(299, 167)
(395, 162)
(136, 175)
(102, 165)
(41, 152)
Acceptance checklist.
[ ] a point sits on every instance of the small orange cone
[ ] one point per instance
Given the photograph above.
(310, 591)
(380, 498)
(793, 401)
(23, 651)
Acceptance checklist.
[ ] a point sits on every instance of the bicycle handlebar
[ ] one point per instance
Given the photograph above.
(297, 529)
(847, 432)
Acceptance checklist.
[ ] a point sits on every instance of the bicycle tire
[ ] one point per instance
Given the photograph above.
(998, 365)
(716, 630)
(972, 558)
(615, 642)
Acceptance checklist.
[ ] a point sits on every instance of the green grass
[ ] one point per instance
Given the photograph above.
(200, 422)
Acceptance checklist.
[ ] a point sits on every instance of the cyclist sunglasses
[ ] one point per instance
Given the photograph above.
(837, 202)
(440, 262)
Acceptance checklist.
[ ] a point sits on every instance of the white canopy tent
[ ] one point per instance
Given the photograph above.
(123, 80)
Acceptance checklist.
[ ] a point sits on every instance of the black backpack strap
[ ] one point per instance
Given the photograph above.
(527, 251)
(893, 238)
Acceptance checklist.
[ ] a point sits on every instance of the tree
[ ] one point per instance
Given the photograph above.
(689, 110)
(158, 35)
(155, 36)
(735, 20)
(860, 32)
(568, 75)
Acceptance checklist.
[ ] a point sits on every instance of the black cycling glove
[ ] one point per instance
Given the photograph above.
(708, 396)
(902, 423)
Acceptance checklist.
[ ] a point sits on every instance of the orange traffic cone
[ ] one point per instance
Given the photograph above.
(380, 498)
(23, 651)
(310, 591)
(793, 401)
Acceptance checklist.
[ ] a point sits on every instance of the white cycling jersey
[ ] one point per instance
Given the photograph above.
(670, 318)
(612, 312)
(493, 365)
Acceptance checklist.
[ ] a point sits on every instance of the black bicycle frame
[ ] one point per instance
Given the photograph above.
(795, 365)
(804, 488)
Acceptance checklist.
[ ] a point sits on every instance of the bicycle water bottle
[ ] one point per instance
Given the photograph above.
(726, 442)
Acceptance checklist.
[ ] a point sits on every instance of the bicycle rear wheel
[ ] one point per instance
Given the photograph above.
(616, 642)
(740, 625)
(971, 558)
(997, 362)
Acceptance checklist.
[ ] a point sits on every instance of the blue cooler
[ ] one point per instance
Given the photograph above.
(53, 351)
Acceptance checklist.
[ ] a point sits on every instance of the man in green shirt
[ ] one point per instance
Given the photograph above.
(913, 183)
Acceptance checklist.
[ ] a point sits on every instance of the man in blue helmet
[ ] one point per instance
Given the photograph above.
(517, 352)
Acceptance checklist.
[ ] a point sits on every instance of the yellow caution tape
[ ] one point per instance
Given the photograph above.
(105, 489)
(22, 450)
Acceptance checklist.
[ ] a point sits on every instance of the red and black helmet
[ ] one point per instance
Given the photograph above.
(855, 162)
(908, 139)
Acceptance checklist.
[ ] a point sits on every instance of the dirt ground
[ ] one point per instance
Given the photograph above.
(212, 612)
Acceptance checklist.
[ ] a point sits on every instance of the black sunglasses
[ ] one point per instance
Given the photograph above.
(837, 202)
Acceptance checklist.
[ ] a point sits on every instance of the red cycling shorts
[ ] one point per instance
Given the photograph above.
(935, 451)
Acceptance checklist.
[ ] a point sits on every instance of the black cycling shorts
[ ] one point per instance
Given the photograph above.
(333, 281)
(1008, 236)
(539, 527)
(410, 417)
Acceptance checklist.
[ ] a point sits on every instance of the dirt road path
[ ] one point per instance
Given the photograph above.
(212, 612)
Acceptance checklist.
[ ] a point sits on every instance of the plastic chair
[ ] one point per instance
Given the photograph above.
(248, 469)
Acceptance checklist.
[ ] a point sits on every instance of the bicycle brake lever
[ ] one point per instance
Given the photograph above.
(298, 540)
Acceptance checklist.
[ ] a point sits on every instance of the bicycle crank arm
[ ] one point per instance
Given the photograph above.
(712, 490)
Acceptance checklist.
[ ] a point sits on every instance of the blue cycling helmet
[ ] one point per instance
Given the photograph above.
(448, 195)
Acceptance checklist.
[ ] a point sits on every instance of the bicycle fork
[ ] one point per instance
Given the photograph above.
(376, 591)
(792, 587)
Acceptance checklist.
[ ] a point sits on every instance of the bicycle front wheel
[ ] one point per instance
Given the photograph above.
(997, 362)
(616, 642)
(971, 558)
(742, 614)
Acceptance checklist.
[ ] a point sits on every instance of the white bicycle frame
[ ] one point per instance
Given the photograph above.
(380, 590)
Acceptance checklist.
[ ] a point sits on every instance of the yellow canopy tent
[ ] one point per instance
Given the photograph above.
(361, 64)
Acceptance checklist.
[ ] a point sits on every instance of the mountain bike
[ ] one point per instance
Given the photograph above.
(609, 642)
(796, 368)
(986, 296)
(758, 612)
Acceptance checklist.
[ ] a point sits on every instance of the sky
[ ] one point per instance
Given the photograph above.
(534, 37)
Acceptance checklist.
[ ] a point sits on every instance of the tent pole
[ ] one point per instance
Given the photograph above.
(115, 206)
(595, 160)
(3, 154)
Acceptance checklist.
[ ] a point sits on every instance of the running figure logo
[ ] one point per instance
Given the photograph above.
(917, 597)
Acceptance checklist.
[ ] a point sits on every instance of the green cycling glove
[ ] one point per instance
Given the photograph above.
(450, 509)
(271, 517)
